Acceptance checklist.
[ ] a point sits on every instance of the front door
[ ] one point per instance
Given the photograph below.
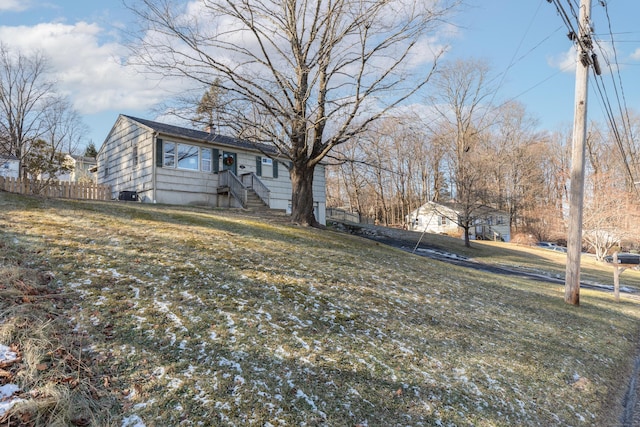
(229, 162)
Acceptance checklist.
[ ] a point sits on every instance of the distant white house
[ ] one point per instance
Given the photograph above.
(83, 169)
(9, 167)
(444, 218)
(160, 163)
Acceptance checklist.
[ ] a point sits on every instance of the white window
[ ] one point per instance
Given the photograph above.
(205, 159)
(185, 156)
(135, 155)
(267, 161)
(169, 149)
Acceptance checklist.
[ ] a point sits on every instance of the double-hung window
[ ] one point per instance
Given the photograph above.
(169, 152)
(205, 159)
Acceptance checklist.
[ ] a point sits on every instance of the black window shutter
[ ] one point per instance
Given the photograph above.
(275, 168)
(258, 165)
(215, 160)
(159, 153)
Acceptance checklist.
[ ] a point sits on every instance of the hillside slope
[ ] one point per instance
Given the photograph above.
(195, 316)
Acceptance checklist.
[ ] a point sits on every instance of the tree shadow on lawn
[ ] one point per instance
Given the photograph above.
(455, 371)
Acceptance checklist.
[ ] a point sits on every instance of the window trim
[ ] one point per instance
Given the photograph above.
(170, 152)
(203, 153)
(165, 156)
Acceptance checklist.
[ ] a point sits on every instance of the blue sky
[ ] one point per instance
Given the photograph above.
(524, 42)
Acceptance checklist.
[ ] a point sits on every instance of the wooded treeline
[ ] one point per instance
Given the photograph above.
(495, 156)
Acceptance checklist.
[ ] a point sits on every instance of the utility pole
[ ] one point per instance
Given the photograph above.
(574, 239)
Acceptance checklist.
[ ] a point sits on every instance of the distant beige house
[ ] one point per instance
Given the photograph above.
(155, 162)
(444, 218)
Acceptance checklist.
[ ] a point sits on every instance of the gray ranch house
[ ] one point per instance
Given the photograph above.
(159, 163)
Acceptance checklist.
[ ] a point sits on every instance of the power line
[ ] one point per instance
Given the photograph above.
(515, 60)
(588, 57)
(618, 87)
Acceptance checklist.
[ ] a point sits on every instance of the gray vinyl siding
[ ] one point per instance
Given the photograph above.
(185, 187)
(117, 155)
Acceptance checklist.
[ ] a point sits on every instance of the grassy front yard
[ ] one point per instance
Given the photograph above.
(156, 315)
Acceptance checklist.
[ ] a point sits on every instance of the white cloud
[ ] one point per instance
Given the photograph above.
(14, 5)
(90, 71)
(565, 62)
(636, 55)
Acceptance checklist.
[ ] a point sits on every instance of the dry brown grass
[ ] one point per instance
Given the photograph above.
(58, 387)
(186, 316)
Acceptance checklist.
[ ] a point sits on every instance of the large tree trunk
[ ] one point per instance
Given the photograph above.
(467, 240)
(302, 196)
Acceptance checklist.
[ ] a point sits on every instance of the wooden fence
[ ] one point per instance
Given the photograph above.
(342, 215)
(56, 189)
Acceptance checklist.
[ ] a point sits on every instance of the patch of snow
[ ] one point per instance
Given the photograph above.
(402, 348)
(266, 314)
(174, 384)
(301, 341)
(239, 380)
(164, 307)
(6, 397)
(281, 353)
(231, 363)
(302, 395)
(114, 272)
(6, 354)
(133, 421)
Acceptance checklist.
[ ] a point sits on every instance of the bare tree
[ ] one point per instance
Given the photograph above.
(607, 207)
(37, 125)
(514, 166)
(460, 94)
(25, 95)
(305, 76)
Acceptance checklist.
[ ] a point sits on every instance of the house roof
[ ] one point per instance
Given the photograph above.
(83, 159)
(198, 135)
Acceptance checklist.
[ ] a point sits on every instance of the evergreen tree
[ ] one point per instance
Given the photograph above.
(91, 151)
(209, 106)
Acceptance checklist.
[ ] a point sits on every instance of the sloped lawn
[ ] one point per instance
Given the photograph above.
(187, 316)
